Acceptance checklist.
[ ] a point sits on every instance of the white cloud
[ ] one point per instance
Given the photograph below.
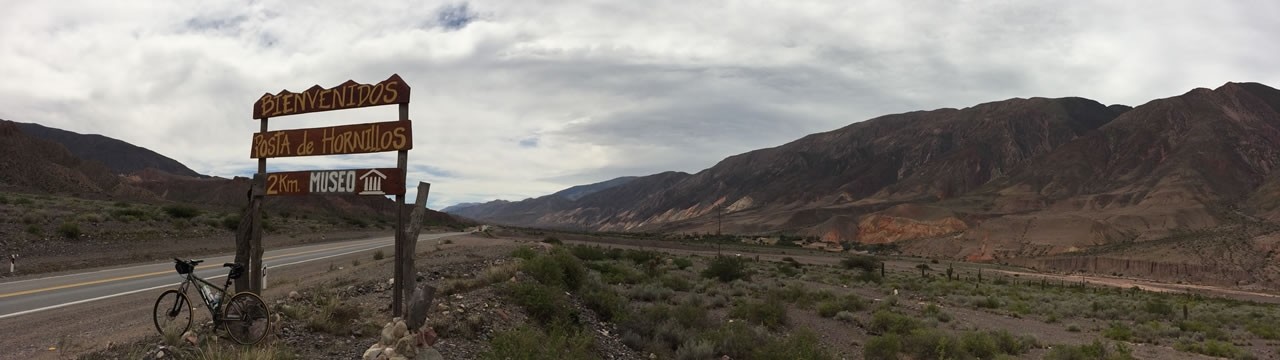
(520, 99)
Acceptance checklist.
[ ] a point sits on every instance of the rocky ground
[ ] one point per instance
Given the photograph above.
(531, 297)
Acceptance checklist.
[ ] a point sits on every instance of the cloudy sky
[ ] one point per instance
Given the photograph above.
(514, 99)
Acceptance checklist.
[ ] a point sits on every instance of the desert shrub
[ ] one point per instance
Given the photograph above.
(1095, 350)
(935, 312)
(92, 218)
(682, 263)
(989, 302)
(524, 252)
(650, 292)
(845, 316)
(552, 240)
(641, 256)
(360, 223)
(557, 269)
(530, 343)
(181, 211)
(1264, 330)
(726, 269)
(34, 229)
(23, 201)
(848, 303)
(545, 304)
(588, 253)
(379, 255)
(931, 344)
(861, 262)
(605, 302)
(1118, 331)
(615, 273)
(800, 345)
(884, 347)
(771, 313)
(1073, 328)
(676, 282)
(736, 340)
(69, 230)
(887, 322)
(334, 316)
(1158, 307)
(1212, 348)
(696, 350)
(231, 222)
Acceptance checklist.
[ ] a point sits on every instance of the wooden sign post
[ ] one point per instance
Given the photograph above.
(335, 140)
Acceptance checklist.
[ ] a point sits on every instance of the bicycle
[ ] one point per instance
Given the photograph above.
(245, 315)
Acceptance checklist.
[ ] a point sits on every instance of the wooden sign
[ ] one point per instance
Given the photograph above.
(345, 139)
(348, 95)
(383, 181)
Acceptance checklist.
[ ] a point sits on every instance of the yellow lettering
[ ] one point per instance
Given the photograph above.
(392, 94)
(401, 139)
(268, 105)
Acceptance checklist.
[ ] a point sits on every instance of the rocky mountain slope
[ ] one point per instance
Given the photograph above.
(119, 156)
(1013, 178)
(45, 163)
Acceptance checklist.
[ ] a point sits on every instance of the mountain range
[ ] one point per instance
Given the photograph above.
(41, 159)
(1018, 178)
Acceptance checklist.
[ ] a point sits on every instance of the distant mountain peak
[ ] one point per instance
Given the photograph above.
(119, 156)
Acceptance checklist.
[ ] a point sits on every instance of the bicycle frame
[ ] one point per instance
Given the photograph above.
(208, 303)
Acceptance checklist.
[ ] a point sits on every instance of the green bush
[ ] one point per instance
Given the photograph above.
(1095, 350)
(524, 252)
(545, 304)
(530, 343)
(552, 240)
(1158, 307)
(682, 263)
(861, 262)
(231, 222)
(736, 340)
(69, 230)
(1118, 331)
(696, 350)
(181, 211)
(770, 313)
(931, 344)
(726, 269)
(1264, 330)
(605, 302)
(676, 282)
(884, 347)
(849, 303)
(800, 345)
(1212, 348)
(588, 253)
(887, 322)
(615, 274)
(990, 302)
(34, 229)
(558, 269)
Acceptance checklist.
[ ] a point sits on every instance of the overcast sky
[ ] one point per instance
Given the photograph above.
(515, 99)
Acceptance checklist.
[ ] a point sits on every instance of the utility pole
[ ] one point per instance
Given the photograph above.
(719, 216)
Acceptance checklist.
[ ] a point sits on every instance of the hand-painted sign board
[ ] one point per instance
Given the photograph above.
(348, 95)
(335, 140)
(382, 181)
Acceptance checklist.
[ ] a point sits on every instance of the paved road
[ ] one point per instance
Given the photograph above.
(18, 298)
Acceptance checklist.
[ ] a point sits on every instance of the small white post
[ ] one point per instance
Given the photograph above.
(264, 277)
(13, 260)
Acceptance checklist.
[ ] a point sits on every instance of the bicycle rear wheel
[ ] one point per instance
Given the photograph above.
(172, 313)
(247, 318)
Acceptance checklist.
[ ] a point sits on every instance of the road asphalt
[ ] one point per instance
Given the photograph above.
(24, 297)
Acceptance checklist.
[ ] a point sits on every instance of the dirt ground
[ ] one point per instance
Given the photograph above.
(73, 331)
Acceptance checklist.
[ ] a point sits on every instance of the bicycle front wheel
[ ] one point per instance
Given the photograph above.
(247, 319)
(172, 313)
